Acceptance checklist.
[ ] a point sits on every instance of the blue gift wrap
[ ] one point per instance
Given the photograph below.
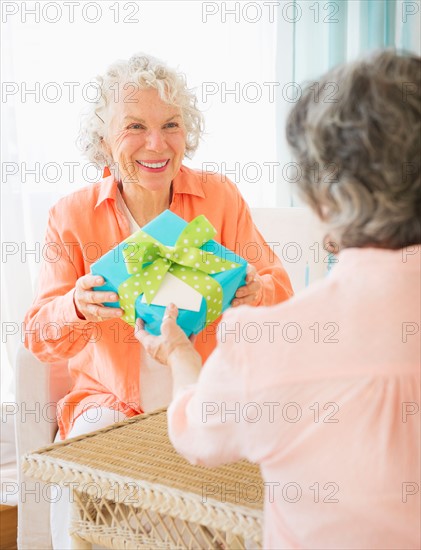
(166, 229)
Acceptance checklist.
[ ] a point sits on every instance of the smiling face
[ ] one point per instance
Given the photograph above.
(146, 138)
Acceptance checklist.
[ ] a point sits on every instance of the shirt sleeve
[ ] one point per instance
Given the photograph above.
(205, 421)
(256, 251)
(53, 330)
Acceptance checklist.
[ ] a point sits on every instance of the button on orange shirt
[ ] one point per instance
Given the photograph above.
(104, 358)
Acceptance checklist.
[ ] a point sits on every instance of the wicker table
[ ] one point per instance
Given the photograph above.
(131, 489)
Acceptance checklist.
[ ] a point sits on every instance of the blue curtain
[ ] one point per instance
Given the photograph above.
(324, 33)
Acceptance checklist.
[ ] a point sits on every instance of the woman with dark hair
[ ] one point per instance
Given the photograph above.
(331, 410)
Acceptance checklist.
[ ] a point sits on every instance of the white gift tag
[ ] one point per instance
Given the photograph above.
(173, 290)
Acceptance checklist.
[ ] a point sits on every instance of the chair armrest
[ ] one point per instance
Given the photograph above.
(296, 236)
(36, 398)
(38, 388)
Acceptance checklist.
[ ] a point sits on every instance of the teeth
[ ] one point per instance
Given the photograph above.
(153, 164)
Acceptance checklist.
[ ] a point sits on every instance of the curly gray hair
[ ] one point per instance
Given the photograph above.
(144, 71)
(359, 152)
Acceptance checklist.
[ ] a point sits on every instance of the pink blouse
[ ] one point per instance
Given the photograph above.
(323, 392)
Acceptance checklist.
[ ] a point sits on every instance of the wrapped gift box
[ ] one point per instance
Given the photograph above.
(165, 259)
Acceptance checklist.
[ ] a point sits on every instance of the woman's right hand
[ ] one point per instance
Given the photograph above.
(89, 302)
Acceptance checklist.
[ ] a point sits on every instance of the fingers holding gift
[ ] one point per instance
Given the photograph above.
(89, 303)
(247, 294)
(151, 344)
(251, 274)
(251, 292)
(172, 337)
(171, 312)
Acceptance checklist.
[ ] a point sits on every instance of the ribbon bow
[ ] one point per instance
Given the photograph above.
(148, 261)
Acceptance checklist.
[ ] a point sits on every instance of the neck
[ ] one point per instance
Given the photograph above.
(145, 205)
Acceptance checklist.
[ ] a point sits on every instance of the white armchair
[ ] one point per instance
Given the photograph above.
(296, 238)
(38, 388)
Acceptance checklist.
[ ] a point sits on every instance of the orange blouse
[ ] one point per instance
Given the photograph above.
(104, 358)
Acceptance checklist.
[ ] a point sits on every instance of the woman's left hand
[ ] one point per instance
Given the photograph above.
(251, 292)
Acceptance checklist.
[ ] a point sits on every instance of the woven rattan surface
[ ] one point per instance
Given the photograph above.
(132, 490)
(138, 449)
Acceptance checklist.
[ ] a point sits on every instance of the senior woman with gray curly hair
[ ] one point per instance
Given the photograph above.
(144, 123)
(332, 418)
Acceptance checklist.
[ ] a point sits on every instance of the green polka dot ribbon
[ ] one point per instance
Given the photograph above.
(148, 260)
